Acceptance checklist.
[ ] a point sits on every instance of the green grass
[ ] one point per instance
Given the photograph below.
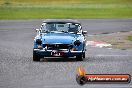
(129, 38)
(40, 9)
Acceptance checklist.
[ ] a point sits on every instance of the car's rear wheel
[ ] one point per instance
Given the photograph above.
(36, 57)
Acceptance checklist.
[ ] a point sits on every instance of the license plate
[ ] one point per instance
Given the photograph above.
(56, 53)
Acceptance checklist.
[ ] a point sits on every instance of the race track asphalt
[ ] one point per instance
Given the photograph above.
(17, 70)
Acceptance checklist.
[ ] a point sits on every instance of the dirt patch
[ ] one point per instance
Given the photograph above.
(118, 40)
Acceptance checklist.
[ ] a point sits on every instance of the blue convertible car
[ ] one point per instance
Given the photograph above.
(59, 38)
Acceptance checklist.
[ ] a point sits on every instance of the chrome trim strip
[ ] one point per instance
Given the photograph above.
(60, 51)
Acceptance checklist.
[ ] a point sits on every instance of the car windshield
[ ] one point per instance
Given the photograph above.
(61, 27)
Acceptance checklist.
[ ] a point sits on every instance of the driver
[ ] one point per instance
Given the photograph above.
(51, 27)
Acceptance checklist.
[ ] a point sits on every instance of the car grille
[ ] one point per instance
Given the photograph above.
(57, 46)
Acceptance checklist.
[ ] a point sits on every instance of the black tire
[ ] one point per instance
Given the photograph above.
(84, 55)
(79, 58)
(35, 57)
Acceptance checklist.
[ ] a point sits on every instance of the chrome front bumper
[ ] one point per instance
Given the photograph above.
(49, 53)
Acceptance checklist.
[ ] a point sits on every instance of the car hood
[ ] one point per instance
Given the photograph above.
(58, 38)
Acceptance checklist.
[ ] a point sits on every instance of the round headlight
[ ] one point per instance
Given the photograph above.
(39, 41)
(77, 43)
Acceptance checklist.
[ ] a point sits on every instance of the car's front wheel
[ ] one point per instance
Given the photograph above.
(79, 58)
(36, 57)
(84, 55)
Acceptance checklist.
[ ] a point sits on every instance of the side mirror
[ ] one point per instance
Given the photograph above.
(84, 32)
(37, 30)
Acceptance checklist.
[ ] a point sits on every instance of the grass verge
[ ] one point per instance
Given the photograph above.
(26, 9)
(130, 37)
(122, 40)
(48, 12)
